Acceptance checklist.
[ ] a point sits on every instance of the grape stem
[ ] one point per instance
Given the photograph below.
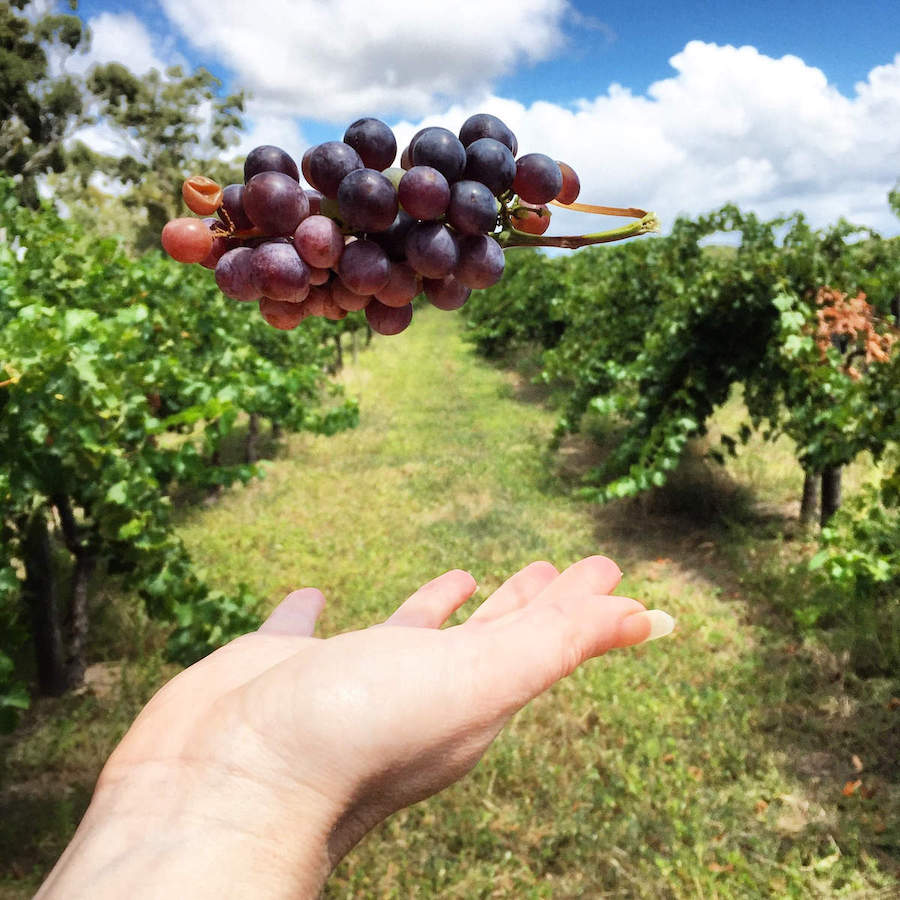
(647, 222)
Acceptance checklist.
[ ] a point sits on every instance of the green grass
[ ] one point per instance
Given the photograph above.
(710, 764)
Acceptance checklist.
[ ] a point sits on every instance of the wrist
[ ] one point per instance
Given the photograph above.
(156, 829)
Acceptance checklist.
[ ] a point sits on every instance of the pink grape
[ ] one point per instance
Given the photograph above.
(319, 241)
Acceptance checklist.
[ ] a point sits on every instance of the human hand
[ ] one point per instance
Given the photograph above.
(256, 769)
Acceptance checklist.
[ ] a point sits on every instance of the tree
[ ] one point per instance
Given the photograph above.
(171, 125)
(40, 110)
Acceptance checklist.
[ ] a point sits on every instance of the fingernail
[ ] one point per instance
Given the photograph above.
(661, 623)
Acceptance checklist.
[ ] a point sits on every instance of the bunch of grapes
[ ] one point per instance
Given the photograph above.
(365, 234)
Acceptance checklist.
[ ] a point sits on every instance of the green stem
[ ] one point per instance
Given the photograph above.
(511, 237)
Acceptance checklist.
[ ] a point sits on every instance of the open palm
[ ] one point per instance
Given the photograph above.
(370, 721)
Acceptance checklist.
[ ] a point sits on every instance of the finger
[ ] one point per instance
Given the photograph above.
(516, 591)
(544, 642)
(591, 575)
(296, 614)
(433, 603)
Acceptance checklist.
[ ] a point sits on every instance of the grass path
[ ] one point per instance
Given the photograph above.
(665, 771)
(707, 765)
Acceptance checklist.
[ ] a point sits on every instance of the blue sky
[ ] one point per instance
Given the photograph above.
(654, 103)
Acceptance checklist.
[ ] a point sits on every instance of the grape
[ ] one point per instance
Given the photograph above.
(232, 212)
(221, 244)
(473, 208)
(373, 141)
(281, 315)
(269, 159)
(201, 195)
(279, 273)
(364, 267)
(304, 164)
(402, 286)
(329, 163)
(446, 293)
(424, 192)
(484, 125)
(440, 149)
(491, 163)
(571, 184)
(187, 240)
(367, 200)
(481, 261)
(388, 319)
(406, 159)
(431, 249)
(346, 299)
(319, 276)
(393, 239)
(234, 276)
(538, 178)
(275, 202)
(319, 241)
(321, 303)
(529, 218)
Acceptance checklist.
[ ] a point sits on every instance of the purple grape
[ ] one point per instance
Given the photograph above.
(393, 239)
(232, 211)
(538, 178)
(484, 125)
(279, 273)
(431, 249)
(424, 193)
(481, 261)
(269, 159)
(491, 163)
(440, 149)
(446, 293)
(364, 267)
(367, 200)
(402, 286)
(329, 163)
(234, 275)
(473, 208)
(275, 202)
(373, 141)
(388, 319)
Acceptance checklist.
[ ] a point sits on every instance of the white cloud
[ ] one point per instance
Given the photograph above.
(122, 38)
(339, 59)
(732, 125)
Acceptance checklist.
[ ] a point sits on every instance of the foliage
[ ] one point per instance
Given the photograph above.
(121, 379)
(857, 579)
(654, 336)
(521, 309)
